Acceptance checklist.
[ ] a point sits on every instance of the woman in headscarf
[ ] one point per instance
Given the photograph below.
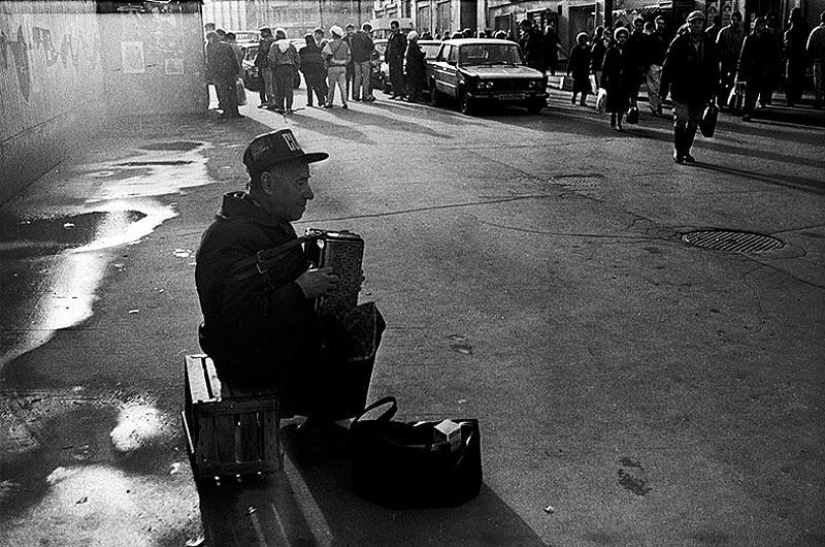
(337, 56)
(579, 66)
(616, 73)
(284, 62)
(415, 68)
(312, 65)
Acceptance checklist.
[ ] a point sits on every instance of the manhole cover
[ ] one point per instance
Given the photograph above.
(732, 241)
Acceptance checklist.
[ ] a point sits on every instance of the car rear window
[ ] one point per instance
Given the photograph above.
(482, 54)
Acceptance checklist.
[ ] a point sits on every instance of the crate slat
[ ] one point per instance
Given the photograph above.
(198, 388)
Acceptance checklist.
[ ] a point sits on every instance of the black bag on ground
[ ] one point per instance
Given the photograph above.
(707, 125)
(401, 465)
(633, 115)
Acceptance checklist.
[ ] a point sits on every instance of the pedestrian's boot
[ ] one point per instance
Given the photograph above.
(679, 144)
(690, 134)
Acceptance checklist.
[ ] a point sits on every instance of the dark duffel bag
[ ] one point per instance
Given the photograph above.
(402, 465)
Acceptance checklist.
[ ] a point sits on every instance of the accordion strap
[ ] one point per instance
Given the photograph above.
(260, 262)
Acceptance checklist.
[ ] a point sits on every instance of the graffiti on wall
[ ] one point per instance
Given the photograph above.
(14, 53)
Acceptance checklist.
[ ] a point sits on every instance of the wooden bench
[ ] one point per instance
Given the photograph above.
(230, 431)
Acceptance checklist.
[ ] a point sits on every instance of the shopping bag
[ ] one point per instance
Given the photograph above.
(633, 115)
(601, 100)
(593, 84)
(707, 124)
(239, 87)
(736, 99)
(415, 464)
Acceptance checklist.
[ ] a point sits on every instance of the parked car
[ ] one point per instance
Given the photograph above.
(383, 82)
(474, 71)
(249, 72)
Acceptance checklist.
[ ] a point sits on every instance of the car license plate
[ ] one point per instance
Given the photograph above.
(512, 96)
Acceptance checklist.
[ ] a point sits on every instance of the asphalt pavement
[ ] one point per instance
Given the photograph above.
(637, 382)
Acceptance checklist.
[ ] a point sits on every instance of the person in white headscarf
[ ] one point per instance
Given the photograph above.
(415, 69)
(337, 56)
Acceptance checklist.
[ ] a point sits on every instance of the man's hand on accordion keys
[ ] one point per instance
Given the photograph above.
(317, 282)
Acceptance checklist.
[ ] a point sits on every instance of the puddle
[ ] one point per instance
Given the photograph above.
(53, 257)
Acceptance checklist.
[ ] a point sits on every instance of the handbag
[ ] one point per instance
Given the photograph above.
(239, 87)
(736, 99)
(403, 464)
(633, 115)
(601, 100)
(707, 125)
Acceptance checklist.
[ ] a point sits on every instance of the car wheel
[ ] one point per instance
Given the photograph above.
(465, 103)
(435, 95)
(535, 106)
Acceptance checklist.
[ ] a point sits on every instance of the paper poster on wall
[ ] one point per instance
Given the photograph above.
(174, 66)
(132, 56)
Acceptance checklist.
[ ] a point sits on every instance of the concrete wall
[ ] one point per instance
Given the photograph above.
(50, 85)
(153, 62)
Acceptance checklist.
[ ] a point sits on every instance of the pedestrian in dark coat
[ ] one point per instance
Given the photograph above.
(552, 43)
(416, 68)
(755, 66)
(532, 45)
(597, 51)
(794, 46)
(265, 90)
(315, 73)
(579, 66)
(396, 49)
(691, 74)
(222, 69)
(616, 78)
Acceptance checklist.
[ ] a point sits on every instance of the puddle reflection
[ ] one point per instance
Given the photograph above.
(63, 255)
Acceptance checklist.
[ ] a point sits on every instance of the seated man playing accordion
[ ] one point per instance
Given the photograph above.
(258, 294)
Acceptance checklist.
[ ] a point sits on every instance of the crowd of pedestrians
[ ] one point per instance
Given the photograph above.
(698, 65)
(739, 69)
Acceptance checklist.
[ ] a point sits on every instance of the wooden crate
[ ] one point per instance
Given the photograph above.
(230, 431)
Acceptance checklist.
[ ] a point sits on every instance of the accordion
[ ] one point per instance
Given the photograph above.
(343, 252)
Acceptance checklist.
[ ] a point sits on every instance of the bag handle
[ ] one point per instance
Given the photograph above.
(387, 415)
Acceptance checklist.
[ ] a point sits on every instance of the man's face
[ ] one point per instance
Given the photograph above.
(660, 25)
(696, 26)
(736, 21)
(286, 190)
(319, 36)
(394, 28)
(638, 25)
(621, 37)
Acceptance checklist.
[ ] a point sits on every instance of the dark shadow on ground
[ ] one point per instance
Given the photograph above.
(253, 511)
(352, 520)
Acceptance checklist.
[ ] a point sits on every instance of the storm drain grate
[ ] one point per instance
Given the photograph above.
(732, 241)
(578, 182)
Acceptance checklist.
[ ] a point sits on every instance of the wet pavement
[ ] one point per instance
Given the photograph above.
(632, 390)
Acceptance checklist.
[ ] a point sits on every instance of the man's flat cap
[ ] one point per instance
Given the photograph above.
(696, 15)
(277, 147)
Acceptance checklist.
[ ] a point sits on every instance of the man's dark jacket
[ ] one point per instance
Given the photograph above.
(396, 47)
(258, 330)
(691, 74)
(221, 63)
(362, 47)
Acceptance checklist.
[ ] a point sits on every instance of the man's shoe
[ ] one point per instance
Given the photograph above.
(677, 157)
(369, 99)
(327, 106)
(344, 106)
(689, 158)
